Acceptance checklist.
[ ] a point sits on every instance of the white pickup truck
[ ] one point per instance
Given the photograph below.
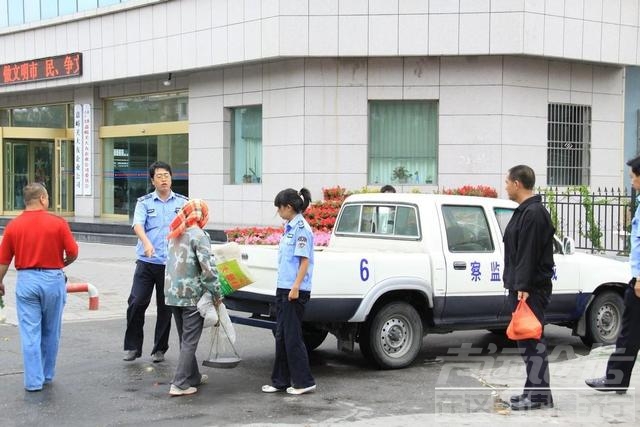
(400, 266)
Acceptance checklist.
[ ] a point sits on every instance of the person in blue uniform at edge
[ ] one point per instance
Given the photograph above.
(291, 371)
(620, 364)
(154, 212)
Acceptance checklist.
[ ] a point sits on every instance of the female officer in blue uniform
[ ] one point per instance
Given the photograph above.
(291, 371)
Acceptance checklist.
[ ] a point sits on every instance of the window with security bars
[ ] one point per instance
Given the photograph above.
(569, 144)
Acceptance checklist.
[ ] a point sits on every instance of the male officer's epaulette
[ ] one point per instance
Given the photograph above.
(145, 197)
(300, 224)
(180, 196)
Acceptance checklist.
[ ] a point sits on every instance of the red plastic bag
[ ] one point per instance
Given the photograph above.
(524, 324)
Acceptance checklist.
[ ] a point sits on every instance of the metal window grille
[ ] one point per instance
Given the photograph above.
(569, 144)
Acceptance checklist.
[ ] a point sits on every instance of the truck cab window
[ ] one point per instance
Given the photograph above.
(349, 219)
(467, 229)
(406, 222)
(503, 216)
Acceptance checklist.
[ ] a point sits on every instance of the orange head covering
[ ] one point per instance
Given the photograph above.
(194, 212)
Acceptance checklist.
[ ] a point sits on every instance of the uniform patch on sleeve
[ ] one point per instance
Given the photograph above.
(302, 242)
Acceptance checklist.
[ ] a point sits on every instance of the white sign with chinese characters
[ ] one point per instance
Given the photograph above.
(87, 143)
(77, 150)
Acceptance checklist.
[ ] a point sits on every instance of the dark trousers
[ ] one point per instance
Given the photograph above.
(146, 277)
(621, 362)
(291, 366)
(534, 352)
(189, 325)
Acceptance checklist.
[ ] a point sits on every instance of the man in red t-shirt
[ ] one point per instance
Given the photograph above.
(42, 245)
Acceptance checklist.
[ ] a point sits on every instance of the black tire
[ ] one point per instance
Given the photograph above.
(498, 331)
(313, 337)
(392, 337)
(604, 319)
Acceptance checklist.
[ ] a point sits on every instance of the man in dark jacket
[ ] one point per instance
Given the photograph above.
(528, 269)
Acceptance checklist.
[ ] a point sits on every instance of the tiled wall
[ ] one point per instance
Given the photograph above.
(190, 34)
(492, 115)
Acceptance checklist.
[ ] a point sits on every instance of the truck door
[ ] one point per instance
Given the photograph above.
(473, 264)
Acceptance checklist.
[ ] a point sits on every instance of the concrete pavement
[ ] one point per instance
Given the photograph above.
(110, 269)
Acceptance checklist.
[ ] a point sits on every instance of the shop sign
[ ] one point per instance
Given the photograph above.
(77, 148)
(53, 67)
(87, 142)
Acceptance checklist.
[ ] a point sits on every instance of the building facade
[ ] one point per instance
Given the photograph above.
(247, 97)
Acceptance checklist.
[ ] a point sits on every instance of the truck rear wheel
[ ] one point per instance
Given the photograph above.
(392, 337)
(604, 319)
(313, 337)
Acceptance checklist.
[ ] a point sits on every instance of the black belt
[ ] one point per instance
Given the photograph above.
(39, 268)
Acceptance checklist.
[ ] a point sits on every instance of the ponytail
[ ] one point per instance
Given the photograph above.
(299, 201)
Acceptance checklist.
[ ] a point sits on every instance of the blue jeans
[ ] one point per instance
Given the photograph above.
(40, 299)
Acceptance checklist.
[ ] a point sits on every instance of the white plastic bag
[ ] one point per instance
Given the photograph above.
(225, 323)
(207, 310)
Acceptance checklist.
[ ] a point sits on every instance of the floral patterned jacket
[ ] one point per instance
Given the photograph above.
(190, 270)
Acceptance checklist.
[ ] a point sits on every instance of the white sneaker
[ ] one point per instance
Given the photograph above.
(177, 391)
(204, 378)
(270, 389)
(310, 389)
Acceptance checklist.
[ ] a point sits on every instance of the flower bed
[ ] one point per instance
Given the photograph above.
(322, 215)
(472, 190)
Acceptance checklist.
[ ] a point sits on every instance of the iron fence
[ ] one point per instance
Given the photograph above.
(599, 221)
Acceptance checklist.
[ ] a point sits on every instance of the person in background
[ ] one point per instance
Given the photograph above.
(42, 245)
(189, 274)
(291, 371)
(154, 212)
(528, 269)
(620, 365)
(387, 189)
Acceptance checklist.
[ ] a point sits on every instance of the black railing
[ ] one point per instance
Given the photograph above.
(599, 221)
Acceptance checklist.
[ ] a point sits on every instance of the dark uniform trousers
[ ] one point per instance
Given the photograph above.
(291, 366)
(534, 352)
(621, 361)
(146, 277)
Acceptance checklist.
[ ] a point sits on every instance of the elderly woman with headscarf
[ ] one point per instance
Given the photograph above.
(190, 272)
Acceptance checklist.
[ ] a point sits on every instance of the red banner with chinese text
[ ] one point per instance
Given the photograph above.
(54, 67)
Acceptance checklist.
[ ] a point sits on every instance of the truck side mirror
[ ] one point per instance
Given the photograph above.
(568, 246)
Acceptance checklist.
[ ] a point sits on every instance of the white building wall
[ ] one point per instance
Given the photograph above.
(493, 65)
(492, 115)
(181, 35)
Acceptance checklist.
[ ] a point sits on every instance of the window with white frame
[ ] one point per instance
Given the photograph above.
(246, 144)
(568, 144)
(403, 142)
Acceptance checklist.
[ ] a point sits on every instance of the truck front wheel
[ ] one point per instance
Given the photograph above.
(392, 337)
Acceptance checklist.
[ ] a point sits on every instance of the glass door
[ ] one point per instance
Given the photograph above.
(27, 161)
(16, 174)
(63, 178)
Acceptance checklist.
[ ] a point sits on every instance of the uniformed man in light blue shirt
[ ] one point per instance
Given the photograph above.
(154, 212)
(621, 362)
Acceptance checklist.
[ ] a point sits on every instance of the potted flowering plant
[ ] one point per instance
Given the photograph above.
(401, 174)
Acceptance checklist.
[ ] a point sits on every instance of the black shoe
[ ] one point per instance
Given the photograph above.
(130, 355)
(527, 405)
(517, 398)
(600, 384)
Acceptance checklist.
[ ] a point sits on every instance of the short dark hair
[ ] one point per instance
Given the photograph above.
(159, 165)
(32, 192)
(524, 174)
(635, 165)
(387, 189)
(299, 201)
